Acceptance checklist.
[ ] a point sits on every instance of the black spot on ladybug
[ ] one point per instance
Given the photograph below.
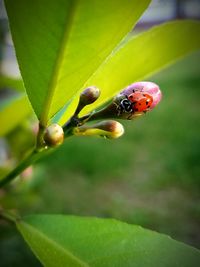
(147, 102)
(148, 106)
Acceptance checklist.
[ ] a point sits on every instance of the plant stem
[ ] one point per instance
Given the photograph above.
(37, 153)
(40, 144)
(8, 216)
(30, 159)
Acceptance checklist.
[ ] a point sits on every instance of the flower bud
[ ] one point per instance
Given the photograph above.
(110, 129)
(149, 88)
(132, 102)
(53, 135)
(89, 95)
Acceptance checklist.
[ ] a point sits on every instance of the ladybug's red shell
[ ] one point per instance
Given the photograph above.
(141, 101)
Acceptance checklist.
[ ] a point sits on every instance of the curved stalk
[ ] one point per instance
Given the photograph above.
(38, 152)
(30, 159)
(9, 216)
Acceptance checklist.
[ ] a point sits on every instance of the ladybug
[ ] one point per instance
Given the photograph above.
(135, 102)
(141, 101)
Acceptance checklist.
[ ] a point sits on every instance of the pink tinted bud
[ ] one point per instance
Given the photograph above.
(149, 88)
(132, 102)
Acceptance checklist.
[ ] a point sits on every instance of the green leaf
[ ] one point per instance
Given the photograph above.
(60, 44)
(12, 111)
(12, 83)
(141, 56)
(59, 241)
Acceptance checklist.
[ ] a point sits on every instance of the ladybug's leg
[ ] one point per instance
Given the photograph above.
(119, 109)
(131, 112)
(129, 117)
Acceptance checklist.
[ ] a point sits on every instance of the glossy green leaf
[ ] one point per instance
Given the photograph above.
(141, 56)
(12, 112)
(11, 83)
(60, 44)
(59, 241)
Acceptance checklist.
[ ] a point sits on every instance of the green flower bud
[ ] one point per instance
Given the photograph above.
(53, 135)
(87, 97)
(110, 129)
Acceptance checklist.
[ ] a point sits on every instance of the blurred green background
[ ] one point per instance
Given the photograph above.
(150, 176)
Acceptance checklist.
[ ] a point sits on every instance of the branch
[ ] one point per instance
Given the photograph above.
(29, 160)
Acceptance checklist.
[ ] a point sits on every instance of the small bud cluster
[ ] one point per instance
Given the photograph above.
(108, 128)
(133, 101)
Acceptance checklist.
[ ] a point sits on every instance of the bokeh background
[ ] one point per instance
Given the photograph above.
(150, 176)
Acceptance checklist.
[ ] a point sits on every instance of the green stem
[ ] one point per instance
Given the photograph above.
(38, 152)
(40, 144)
(30, 159)
(8, 216)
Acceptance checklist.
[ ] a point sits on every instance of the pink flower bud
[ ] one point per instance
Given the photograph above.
(131, 102)
(149, 88)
